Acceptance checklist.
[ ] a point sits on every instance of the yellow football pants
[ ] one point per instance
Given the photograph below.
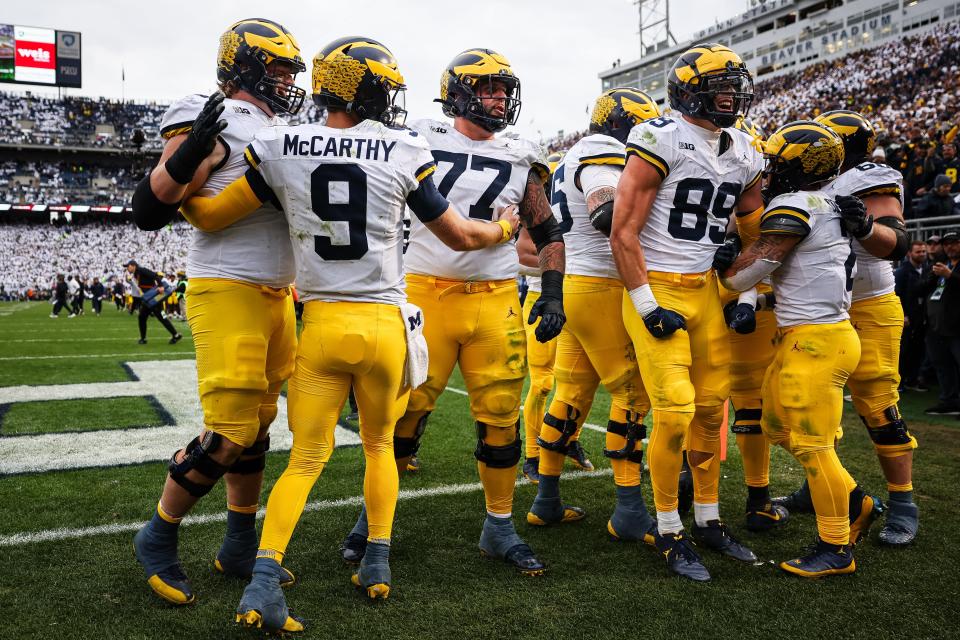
(540, 359)
(477, 325)
(594, 347)
(750, 355)
(246, 339)
(343, 344)
(802, 406)
(686, 376)
(873, 385)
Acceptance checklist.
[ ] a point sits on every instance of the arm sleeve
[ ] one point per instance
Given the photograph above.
(425, 201)
(241, 198)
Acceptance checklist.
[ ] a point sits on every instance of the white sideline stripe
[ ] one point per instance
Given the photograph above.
(586, 425)
(18, 340)
(101, 355)
(51, 535)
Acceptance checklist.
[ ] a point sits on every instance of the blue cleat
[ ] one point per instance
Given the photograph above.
(499, 540)
(631, 522)
(716, 536)
(157, 553)
(531, 470)
(681, 558)
(797, 502)
(549, 511)
(822, 559)
(864, 509)
(766, 517)
(578, 456)
(263, 605)
(903, 521)
(413, 464)
(354, 546)
(238, 553)
(685, 488)
(374, 574)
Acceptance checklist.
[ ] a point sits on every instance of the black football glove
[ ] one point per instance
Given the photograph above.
(663, 323)
(727, 253)
(200, 142)
(853, 213)
(741, 317)
(549, 307)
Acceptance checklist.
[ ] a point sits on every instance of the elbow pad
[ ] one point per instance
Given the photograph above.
(547, 232)
(149, 212)
(602, 218)
(903, 242)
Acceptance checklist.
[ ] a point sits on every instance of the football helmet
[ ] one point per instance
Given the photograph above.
(554, 159)
(617, 111)
(247, 48)
(858, 135)
(800, 155)
(704, 72)
(360, 75)
(462, 78)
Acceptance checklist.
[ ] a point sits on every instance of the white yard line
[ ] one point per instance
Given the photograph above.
(52, 535)
(587, 425)
(72, 340)
(101, 355)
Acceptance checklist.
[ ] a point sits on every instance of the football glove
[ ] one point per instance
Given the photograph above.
(740, 316)
(663, 323)
(200, 142)
(727, 253)
(853, 213)
(549, 307)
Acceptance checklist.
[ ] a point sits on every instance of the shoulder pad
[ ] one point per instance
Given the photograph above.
(595, 148)
(426, 126)
(652, 141)
(786, 214)
(868, 179)
(180, 115)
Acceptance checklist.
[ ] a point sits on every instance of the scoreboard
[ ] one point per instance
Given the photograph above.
(36, 55)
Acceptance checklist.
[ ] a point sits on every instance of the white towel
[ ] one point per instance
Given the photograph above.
(415, 371)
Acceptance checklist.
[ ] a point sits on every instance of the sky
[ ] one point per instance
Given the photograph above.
(167, 48)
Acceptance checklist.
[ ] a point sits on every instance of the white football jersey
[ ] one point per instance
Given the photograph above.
(587, 250)
(699, 191)
(257, 248)
(814, 282)
(874, 275)
(344, 193)
(477, 177)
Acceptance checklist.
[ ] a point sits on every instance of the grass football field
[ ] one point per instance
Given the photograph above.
(80, 399)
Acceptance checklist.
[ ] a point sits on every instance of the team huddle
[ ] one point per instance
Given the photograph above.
(682, 261)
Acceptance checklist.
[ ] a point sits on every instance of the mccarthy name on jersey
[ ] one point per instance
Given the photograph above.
(874, 275)
(477, 177)
(256, 248)
(344, 192)
(703, 174)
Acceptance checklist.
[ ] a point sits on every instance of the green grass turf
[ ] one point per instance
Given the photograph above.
(54, 416)
(91, 587)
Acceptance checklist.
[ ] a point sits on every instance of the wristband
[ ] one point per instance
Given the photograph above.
(506, 229)
(551, 285)
(643, 300)
(748, 297)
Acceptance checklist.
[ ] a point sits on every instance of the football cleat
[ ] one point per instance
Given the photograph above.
(822, 559)
(864, 509)
(500, 540)
(263, 605)
(681, 558)
(353, 548)
(548, 511)
(631, 522)
(903, 520)
(767, 517)
(685, 488)
(531, 470)
(578, 456)
(237, 556)
(797, 502)
(717, 536)
(374, 574)
(413, 464)
(176, 338)
(162, 567)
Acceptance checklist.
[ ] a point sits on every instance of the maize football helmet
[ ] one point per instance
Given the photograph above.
(701, 75)
(247, 49)
(858, 135)
(801, 155)
(617, 111)
(465, 75)
(360, 75)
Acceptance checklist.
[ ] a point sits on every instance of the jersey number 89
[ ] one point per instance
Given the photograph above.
(726, 200)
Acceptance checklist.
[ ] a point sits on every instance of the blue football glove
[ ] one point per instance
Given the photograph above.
(741, 317)
(663, 323)
(727, 254)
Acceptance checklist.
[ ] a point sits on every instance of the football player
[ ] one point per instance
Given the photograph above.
(470, 302)
(541, 355)
(590, 351)
(344, 187)
(240, 310)
(751, 352)
(804, 247)
(684, 177)
(877, 316)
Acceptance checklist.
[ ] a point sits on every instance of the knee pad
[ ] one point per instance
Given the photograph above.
(497, 400)
(893, 438)
(404, 447)
(253, 459)
(677, 391)
(567, 428)
(747, 421)
(634, 431)
(197, 458)
(497, 457)
(802, 445)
